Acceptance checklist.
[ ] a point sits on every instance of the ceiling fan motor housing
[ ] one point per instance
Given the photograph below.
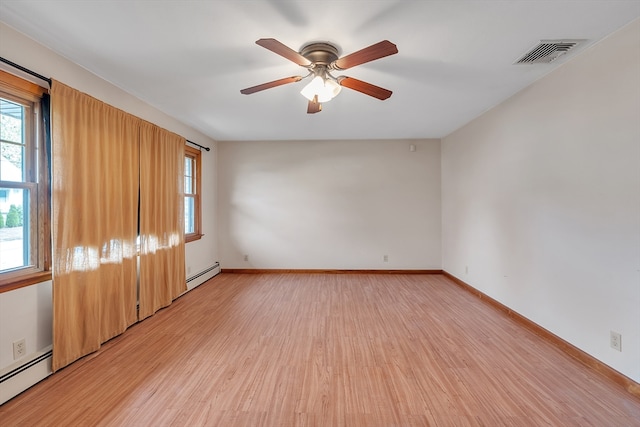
(320, 53)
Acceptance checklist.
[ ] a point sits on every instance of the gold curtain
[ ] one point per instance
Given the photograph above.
(94, 222)
(162, 269)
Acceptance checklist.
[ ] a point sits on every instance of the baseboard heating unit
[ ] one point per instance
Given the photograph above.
(19, 377)
(202, 276)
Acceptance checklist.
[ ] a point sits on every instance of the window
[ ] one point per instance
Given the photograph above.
(24, 224)
(192, 212)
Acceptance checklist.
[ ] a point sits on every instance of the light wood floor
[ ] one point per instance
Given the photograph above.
(326, 350)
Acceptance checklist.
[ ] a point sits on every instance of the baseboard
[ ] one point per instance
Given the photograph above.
(586, 359)
(199, 278)
(18, 377)
(323, 271)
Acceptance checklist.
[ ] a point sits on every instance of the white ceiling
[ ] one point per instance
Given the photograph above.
(191, 58)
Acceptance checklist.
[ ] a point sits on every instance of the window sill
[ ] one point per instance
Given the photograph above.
(23, 281)
(192, 237)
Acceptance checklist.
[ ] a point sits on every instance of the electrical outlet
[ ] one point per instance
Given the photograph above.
(19, 349)
(246, 257)
(385, 258)
(615, 340)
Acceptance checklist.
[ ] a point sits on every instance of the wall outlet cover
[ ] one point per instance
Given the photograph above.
(615, 340)
(19, 349)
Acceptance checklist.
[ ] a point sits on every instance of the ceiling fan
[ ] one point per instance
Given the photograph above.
(321, 59)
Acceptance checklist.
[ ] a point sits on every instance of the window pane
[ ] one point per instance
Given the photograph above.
(12, 166)
(11, 121)
(189, 215)
(12, 162)
(188, 175)
(14, 231)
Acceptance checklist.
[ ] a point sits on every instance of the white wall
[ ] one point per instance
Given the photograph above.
(26, 313)
(541, 201)
(330, 204)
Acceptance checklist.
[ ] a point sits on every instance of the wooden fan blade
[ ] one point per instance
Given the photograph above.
(314, 106)
(364, 87)
(276, 47)
(368, 54)
(269, 85)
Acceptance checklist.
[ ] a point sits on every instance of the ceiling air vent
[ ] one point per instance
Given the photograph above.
(547, 51)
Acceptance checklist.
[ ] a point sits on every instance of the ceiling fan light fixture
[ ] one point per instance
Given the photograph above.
(319, 59)
(332, 86)
(325, 89)
(313, 88)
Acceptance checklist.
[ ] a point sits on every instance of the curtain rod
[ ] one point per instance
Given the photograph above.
(201, 146)
(26, 70)
(48, 80)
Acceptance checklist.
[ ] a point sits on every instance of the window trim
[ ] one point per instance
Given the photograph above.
(195, 154)
(17, 89)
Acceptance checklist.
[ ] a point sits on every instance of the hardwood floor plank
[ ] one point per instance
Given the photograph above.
(326, 350)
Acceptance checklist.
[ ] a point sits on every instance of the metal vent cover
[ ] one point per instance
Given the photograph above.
(548, 51)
